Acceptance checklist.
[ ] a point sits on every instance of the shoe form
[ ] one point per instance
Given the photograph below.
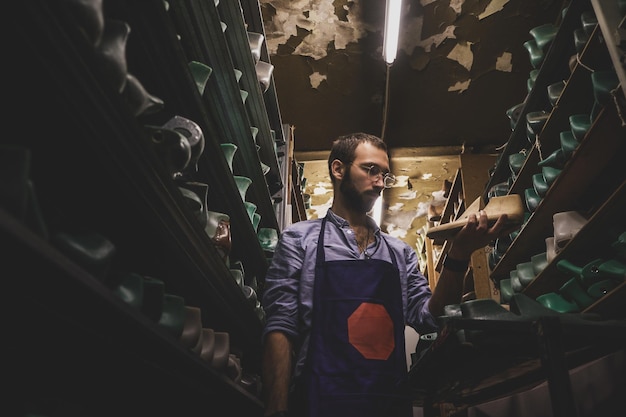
(221, 351)
(573, 290)
(516, 161)
(566, 225)
(550, 249)
(539, 184)
(554, 92)
(601, 288)
(514, 112)
(506, 290)
(196, 196)
(229, 150)
(254, 131)
(139, 101)
(111, 52)
(535, 121)
(516, 284)
(604, 82)
(579, 125)
(268, 238)
(243, 183)
(539, 261)
(511, 205)
(172, 318)
(580, 40)
(201, 74)
(193, 132)
(558, 303)
(568, 143)
(237, 277)
(513, 234)
(502, 244)
(535, 53)
(250, 209)
(525, 273)
(244, 95)
(264, 73)
(256, 220)
(556, 159)
(532, 78)
(128, 286)
(191, 336)
(208, 344)
(589, 21)
(594, 271)
(549, 174)
(544, 35)
(233, 368)
(92, 251)
(532, 199)
(172, 148)
(498, 190)
(524, 306)
(255, 41)
(250, 294)
(89, 17)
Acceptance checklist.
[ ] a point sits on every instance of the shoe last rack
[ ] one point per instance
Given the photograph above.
(75, 348)
(592, 180)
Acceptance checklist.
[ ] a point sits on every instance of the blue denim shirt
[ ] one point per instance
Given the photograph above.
(288, 291)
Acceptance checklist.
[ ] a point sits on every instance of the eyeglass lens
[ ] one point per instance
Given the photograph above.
(375, 172)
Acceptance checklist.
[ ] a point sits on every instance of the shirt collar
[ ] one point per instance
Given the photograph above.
(341, 222)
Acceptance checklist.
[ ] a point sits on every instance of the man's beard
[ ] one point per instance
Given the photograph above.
(353, 198)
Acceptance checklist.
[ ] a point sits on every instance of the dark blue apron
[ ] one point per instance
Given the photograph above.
(356, 364)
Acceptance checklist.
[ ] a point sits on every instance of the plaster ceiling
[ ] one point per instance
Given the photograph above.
(460, 65)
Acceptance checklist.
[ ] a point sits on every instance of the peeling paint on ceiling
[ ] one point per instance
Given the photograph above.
(462, 53)
(460, 86)
(331, 79)
(504, 62)
(316, 79)
(493, 7)
(319, 18)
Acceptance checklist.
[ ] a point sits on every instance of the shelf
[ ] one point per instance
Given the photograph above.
(608, 15)
(70, 324)
(506, 357)
(600, 154)
(95, 168)
(553, 68)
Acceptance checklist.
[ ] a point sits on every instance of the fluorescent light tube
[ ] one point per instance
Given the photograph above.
(392, 29)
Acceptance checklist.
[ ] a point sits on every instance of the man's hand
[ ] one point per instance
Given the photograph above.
(477, 234)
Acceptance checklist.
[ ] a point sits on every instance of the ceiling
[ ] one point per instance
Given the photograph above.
(460, 65)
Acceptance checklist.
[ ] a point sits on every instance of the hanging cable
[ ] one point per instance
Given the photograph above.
(386, 102)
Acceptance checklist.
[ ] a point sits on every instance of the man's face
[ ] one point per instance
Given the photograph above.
(359, 190)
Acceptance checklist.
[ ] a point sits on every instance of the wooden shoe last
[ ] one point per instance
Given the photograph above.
(511, 205)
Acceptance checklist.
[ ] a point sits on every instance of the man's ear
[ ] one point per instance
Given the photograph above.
(337, 168)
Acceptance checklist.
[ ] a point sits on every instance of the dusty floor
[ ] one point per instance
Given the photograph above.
(420, 173)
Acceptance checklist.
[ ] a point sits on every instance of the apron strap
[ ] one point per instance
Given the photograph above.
(321, 257)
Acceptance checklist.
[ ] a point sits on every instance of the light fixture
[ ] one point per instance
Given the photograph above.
(392, 29)
(390, 49)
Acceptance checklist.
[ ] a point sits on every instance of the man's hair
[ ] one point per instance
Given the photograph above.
(344, 147)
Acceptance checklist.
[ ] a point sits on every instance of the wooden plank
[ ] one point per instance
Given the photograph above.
(475, 174)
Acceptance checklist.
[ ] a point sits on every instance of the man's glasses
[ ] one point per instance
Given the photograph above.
(374, 173)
